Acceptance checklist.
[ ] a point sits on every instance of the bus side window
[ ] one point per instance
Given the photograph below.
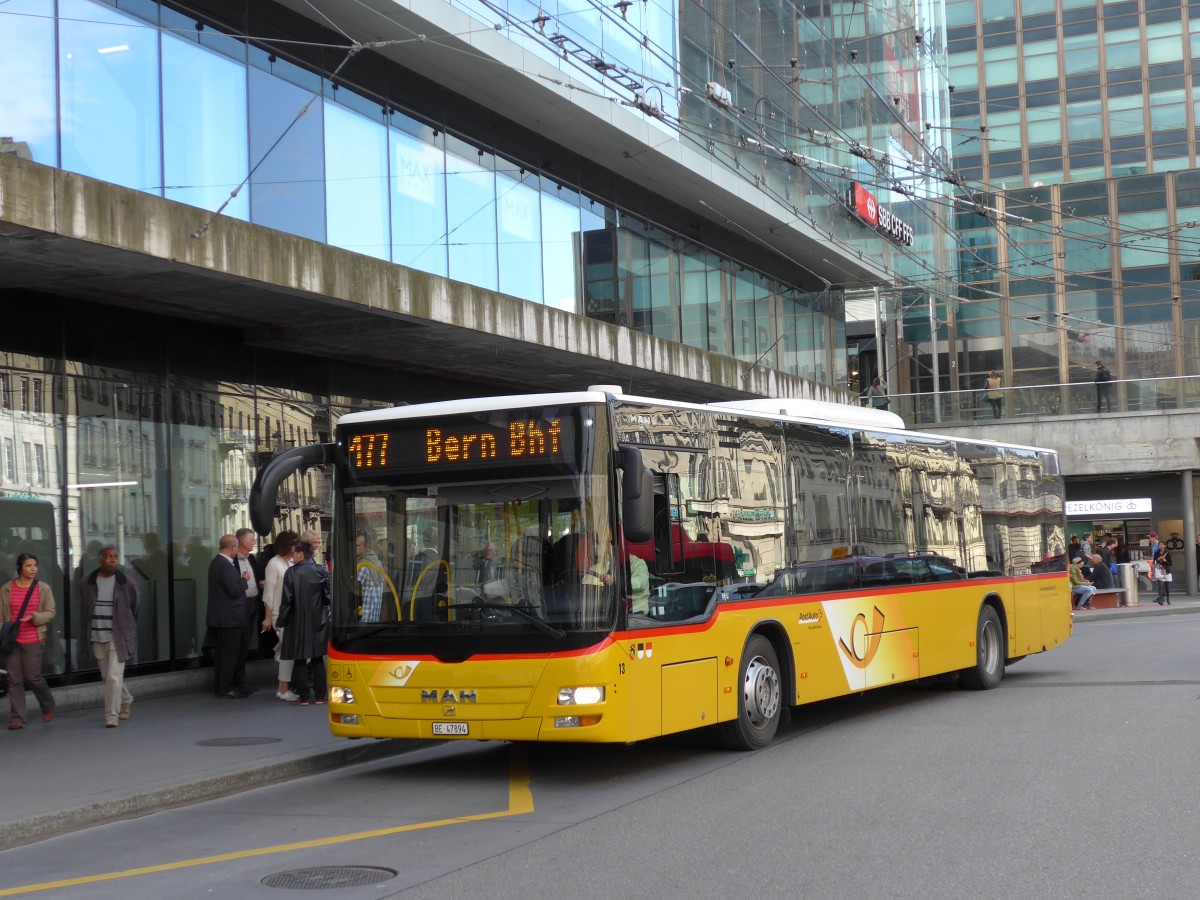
(668, 549)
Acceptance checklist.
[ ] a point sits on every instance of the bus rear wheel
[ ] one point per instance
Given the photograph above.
(760, 700)
(989, 653)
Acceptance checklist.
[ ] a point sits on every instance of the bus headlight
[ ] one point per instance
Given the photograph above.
(580, 696)
(341, 695)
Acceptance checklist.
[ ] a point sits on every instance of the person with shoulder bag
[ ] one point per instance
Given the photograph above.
(1161, 569)
(876, 395)
(994, 396)
(26, 608)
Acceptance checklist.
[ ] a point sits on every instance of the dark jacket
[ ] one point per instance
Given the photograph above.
(125, 610)
(305, 593)
(1102, 577)
(226, 594)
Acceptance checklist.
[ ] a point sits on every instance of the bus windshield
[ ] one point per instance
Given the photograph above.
(492, 555)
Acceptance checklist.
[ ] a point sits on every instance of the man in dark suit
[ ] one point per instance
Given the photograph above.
(226, 617)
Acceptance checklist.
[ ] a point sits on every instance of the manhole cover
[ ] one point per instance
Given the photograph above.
(237, 741)
(328, 877)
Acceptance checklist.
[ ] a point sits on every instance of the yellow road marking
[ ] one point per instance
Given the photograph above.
(520, 802)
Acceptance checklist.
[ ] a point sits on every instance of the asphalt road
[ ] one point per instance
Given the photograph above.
(1075, 778)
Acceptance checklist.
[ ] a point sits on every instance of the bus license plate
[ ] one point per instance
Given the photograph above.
(458, 729)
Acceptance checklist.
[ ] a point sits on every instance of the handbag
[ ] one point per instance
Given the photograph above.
(9, 630)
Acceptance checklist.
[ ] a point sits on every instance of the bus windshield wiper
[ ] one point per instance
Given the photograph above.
(521, 609)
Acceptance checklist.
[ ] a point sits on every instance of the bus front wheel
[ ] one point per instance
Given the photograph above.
(760, 698)
(989, 653)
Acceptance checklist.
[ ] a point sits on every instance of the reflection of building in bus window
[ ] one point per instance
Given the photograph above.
(430, 552)
(639, 585)
(487, 569)
(597, 567)
(526, 567)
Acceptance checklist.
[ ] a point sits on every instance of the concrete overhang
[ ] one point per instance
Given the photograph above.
(473, 59)
(66, 235)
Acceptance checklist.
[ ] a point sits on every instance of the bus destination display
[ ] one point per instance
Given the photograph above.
(460, 443)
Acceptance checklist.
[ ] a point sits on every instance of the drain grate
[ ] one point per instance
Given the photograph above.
(328, 877)
(237, 741)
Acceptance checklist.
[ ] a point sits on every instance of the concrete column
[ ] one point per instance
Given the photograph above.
(1189, 530)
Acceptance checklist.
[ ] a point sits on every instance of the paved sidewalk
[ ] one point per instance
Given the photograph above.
(1183, 603)
(183, 746)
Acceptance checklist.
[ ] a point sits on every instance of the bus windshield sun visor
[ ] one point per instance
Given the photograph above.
(266, 484)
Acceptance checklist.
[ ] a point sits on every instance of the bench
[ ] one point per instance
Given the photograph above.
(1111, 598)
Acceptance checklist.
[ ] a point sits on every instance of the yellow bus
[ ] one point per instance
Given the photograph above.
(593, 566)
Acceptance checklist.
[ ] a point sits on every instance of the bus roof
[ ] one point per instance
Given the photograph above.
(819, 412)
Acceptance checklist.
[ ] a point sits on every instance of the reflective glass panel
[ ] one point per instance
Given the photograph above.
(30, 498)
(288, 190)
(205, 145)
(471, 214)
(560, 248)
(356, 195)
(520, 230)
(27, 102)
(418, 196)
(108, 81)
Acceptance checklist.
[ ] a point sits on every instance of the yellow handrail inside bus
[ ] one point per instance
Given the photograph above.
(412, 602)
(367, 564)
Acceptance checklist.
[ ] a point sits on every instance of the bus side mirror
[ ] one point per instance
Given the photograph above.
(266, 483)
(637, 496)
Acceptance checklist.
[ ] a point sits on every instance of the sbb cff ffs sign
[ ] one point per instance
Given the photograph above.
(867, 208)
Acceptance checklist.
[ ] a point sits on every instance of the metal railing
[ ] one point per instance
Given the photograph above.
(972, 407)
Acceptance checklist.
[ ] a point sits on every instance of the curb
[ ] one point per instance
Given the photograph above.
(1104, 615)
(47, 825)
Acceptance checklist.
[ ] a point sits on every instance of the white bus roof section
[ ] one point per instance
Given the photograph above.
(819, 412)
(853, 416)
(473, 405)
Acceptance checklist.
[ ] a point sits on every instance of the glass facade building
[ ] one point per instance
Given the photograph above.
(141, 95)
(113, 430)
(1076, 127)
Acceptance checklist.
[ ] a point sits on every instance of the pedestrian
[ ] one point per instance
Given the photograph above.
(1161, 569)
(314, 538)
(1081, 588)
(227, 619)
(1103, 379)
(110, 608)
(1101, 574)
(370, 578)
(994, 395)
(246, 539)
(29, 605)
(876, 395)
(304, 616)
(284, 546)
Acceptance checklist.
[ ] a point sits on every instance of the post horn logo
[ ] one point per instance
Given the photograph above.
(869, 639)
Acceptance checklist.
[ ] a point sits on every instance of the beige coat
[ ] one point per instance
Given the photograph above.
(42, 616)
